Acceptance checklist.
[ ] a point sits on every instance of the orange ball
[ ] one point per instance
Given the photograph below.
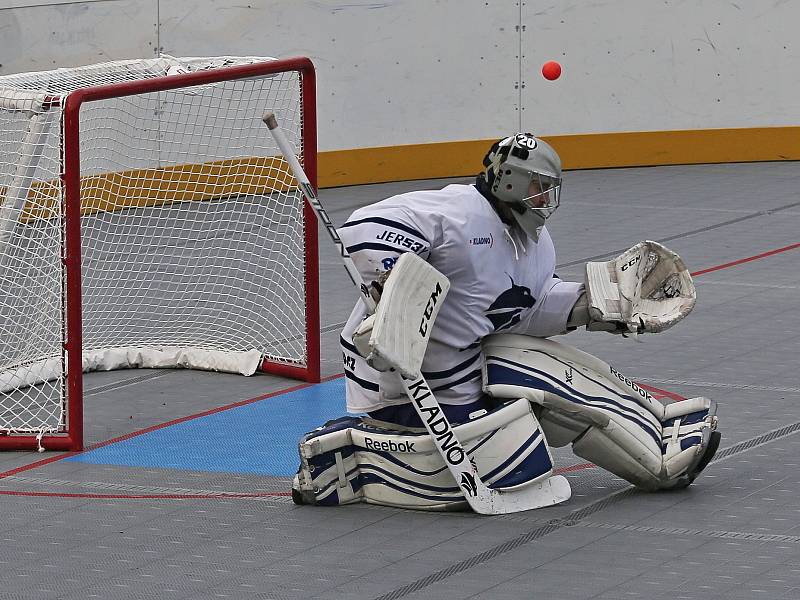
(551, 70)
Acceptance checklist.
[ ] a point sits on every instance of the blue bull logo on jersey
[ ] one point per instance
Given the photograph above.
(506, 309)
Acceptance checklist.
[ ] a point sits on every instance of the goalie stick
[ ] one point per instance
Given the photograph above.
(481, 498)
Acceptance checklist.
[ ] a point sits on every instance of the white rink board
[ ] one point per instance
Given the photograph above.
(403, 71)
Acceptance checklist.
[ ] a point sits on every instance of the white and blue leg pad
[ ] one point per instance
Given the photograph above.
(607, 418)
(362, 460)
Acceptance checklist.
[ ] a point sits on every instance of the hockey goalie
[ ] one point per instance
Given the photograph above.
(455, 366)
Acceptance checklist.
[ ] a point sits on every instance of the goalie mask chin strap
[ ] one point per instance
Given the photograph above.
(531, 222)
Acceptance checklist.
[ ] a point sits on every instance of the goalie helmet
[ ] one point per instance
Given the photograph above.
(524, 173)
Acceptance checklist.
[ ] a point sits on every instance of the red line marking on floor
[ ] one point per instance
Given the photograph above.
(659, 393)
(34, 465)
(745, 260)
(571, 468)
(142, 496)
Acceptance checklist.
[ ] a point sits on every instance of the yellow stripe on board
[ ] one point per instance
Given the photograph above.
(141, 188)
(399, 163)
(689, 147)
(585, 151)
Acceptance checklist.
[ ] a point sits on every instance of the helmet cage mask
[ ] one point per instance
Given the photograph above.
(547, 194)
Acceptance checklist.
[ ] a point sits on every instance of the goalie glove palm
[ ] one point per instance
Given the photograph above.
(647, 288)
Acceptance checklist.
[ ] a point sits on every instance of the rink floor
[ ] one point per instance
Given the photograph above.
(184, 491)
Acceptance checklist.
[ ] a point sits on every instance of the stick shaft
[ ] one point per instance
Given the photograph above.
(308, 191)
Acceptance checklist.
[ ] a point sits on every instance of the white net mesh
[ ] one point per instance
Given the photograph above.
(192, 231)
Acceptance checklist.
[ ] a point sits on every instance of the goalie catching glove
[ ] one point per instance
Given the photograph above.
(646, 289)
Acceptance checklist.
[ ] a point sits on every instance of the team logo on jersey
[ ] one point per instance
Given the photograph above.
(486, 240)
(506, 309)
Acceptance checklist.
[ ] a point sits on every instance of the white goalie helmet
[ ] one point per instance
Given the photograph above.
(524, 172)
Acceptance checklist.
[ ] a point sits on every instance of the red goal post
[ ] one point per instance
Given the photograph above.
(148, 220)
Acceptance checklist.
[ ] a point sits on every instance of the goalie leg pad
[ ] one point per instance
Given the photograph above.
(608, 418)
(361, 460)
(689, 441)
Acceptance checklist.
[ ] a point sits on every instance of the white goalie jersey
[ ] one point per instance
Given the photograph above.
(501, 281)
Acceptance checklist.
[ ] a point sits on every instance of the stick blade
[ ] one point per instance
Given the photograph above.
(549, 492)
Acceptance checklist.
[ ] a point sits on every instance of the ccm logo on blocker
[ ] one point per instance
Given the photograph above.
(426, 316)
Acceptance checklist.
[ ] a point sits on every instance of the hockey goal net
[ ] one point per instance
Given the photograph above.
(148, 220)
